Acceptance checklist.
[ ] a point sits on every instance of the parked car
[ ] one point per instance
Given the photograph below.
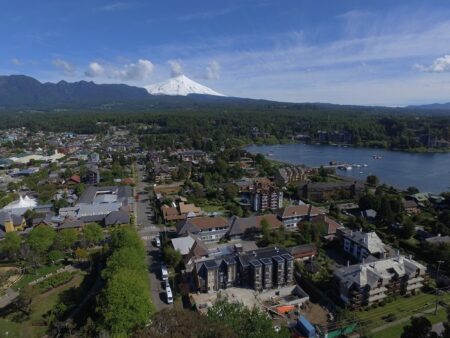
(157, 242)
(169, 295)
(164, 273)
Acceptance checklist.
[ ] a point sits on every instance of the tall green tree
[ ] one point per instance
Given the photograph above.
(66, 238)
(11, 244)
(246, 322)
(124, 304)
(41, 238)
(420, 327)
(93, 233)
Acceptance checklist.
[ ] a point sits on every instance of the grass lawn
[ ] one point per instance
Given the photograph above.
(396, 331)
(35, 326)
(9, 329)
(401, 307)
(39, 272)
(213, 208)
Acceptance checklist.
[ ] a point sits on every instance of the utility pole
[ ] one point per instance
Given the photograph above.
(437, 290)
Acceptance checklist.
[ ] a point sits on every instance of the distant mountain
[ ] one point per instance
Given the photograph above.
(433, 106)
(180, 85)
(21, 90)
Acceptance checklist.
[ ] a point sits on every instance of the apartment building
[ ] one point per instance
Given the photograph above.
(260, 270)
(361, 244)
(368, 283)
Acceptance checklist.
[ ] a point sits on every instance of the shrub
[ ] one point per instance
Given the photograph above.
(54, 281)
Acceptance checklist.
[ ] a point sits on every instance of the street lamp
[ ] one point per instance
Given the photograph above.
(437, 289)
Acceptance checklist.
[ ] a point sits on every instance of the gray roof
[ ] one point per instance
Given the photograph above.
(183, 244)
(370, 273)
(117, 217)
(368, 240)
(88, 196)
(71, 224)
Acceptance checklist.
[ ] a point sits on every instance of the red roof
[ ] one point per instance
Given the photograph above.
(75, 178)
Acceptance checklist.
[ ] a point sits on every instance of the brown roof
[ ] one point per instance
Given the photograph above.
(332, 225)
(240, 225)
(186, 208)
(75, 178)
(206, 222)
(300, 210)
(171, 213)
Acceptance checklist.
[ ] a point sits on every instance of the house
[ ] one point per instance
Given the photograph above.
(330, 224)
(411, 207)
(74, 180)
(265, 196)
(292, 215)
(436, 240)
(192, 155)
(10, 222)
(260, 269)
(119, 217)
(303, 252)
(290, 175)
(92, 174)
(323, 191)
(208, 229)
(368, 283)
(240, 227)
(71, 224)
(361, 245)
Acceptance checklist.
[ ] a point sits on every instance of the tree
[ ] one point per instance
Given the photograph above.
(184, 323)
(55, 255)
(372, 180)
(81, 254)
(93, 233)
(66, 238)
(11, 244)
(124, 303)
(245, 322)
(25, 298)
(412, 190)
(41, 238)
(230, 191)
(420, 327)
(171, 256)
(124, 258)
(446, 333)
(408, 229)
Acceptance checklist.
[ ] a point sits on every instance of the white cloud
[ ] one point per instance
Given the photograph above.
(64, 66)
(176, 68)
(95, 69)
(439, 65)
(16, 62)
(213, 70)
(138, 71)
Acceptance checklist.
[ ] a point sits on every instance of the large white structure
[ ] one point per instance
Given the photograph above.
(20, 206)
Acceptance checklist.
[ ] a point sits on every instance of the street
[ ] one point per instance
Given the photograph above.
(148, 230)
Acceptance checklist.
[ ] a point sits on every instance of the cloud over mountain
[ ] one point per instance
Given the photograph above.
(138, 71)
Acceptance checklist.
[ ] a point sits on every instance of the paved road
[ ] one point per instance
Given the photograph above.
(8, 297)
(147, 231)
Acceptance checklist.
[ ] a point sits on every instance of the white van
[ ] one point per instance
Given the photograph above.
(164, 273)
(169, 295)
(157, 242)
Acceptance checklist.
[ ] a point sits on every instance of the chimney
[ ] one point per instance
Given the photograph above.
(348, 263)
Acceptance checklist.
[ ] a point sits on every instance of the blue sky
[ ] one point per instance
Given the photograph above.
(340, 51)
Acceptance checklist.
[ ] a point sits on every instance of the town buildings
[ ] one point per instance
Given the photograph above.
(368, 283)
(260, 269)
(361, 245)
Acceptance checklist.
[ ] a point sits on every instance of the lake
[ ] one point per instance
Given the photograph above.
(430, 172)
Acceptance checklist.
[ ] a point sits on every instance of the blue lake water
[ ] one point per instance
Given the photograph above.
(427, 171)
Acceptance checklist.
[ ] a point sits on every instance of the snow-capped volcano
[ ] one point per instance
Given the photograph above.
(180, 85)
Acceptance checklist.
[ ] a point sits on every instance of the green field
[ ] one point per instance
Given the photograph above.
(31, 276)
(396, 331)
(401, 307)
(35, 325)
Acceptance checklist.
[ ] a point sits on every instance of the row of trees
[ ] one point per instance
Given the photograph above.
(44, 245)
(223, 320)
(124, 303)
